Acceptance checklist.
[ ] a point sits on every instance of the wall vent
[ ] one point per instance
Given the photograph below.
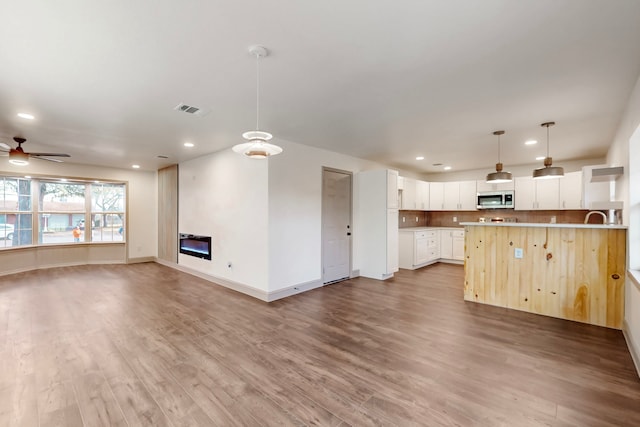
(190, 109)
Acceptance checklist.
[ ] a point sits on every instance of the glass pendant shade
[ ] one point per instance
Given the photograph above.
(548, 171)
(257, 146)
(499, 177)
(18, 158)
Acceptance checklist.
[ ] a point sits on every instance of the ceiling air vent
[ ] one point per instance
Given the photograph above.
(190, 109)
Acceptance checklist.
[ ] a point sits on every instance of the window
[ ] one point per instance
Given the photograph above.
(107, 212)
(61, 216)
(15, 212)
(54, 211)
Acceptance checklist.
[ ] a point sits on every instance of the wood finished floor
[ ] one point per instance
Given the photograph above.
(145, 345)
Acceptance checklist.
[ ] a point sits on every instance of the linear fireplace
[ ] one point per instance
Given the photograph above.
(197, 246)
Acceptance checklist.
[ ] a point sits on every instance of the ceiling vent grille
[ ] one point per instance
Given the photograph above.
(190, 109)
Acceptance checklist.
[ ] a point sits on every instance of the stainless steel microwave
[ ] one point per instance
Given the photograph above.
(495, 200)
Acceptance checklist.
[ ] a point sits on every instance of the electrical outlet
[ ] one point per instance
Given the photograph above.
(417, 219)
(404, 219)
(455, 219)
(518, 253)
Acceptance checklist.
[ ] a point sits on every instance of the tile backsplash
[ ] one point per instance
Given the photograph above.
(446, 218)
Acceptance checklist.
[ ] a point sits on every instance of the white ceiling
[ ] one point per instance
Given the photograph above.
(381, 80)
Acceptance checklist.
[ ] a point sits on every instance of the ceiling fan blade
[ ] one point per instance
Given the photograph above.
(47, 159)
(48, 154)
(5, 146)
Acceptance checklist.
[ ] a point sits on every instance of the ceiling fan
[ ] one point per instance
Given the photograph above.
(19, 157)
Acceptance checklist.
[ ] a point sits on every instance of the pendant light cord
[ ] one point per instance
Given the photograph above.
(257, 90)
(499, 149)
(547, 140)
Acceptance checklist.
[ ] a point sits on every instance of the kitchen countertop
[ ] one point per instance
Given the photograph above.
(544, 224)
(425, 228)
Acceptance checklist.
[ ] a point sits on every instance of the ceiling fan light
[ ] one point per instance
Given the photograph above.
(18, 158)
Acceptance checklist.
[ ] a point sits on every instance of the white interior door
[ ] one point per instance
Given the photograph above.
(336, 225)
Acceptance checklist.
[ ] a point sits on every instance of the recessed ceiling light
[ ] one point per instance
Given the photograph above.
(420, 158)
(135, 166)
(531, 142)
(540, 158)
(188, 144)
(26, 116)
(447, 168)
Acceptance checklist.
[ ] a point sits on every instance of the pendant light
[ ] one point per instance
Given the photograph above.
(498, 176)
(548, 171)
(257, 146)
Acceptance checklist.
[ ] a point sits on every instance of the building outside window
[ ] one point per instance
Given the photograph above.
(16, 217)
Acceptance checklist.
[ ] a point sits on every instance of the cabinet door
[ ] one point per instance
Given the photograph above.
(468, 197)
(525, 193)
(451, 196)
(503, 186)
(392, 241)
(422, 195)
(392, 189)
(436, 196)
(422, 251)
(446, 243)
(548, 194)
(409, 194)
(571, 191)
(458, 245)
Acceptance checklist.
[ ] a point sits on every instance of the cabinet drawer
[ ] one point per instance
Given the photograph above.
(432, 233)
(420, 234)
(432, 243)
(457, 233)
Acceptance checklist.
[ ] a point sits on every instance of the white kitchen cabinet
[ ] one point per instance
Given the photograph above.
(436, 196)
(392, 189)
(485, 186)
(451, 244)
(408, 194)
(537, 194)
(378, 194)
(459, 195)
(422, 195)
(571, 190)
(418, 248)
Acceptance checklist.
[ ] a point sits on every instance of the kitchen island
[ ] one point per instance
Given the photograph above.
(569, 271)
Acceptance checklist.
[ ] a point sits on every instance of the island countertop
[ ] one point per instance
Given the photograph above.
(546, 224)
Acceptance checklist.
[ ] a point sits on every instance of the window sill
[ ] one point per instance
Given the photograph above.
(59, 245)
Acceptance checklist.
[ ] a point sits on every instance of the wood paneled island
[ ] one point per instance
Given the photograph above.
(570, 271)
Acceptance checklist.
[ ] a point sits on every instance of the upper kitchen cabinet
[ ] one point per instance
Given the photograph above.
(422, 195)
(414, 194)
(459, 195)
(503, 186)
(571, 191)
(436, 196)
(392, 189)
(537, 194)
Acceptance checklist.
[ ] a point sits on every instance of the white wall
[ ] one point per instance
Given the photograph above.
(225, 196)
(625, 151)
(142, 229)
(295, 212)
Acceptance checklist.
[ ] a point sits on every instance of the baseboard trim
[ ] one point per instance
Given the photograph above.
(632, 346)
(140, 260)
(355, 273)
(235, 286)
(293, 290)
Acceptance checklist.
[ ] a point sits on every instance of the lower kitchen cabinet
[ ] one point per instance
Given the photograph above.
(418, 248)
(423, 246)
(451, 244)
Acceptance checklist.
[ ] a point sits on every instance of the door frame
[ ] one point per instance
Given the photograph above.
(322, 201)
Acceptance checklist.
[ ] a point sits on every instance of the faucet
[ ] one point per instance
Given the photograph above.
(604, 217)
